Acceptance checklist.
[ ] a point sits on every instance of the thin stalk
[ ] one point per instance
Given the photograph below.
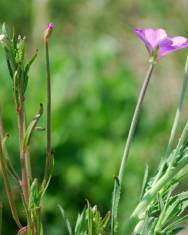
(48, 127)
(119, 180)
(24, 172)
(179, 109)
(134, 122)
(8, 188)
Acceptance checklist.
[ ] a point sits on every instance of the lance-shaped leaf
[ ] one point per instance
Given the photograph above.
(26, 69)
(66, 220)
(35, 196)
(116, 197)
(31, 127)
(145, 180)
(81, 224)
(46, 181)
(8, 162)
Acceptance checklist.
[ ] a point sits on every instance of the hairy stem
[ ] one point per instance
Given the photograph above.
(117, 186)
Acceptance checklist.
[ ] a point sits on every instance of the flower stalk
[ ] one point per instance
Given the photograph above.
(119, 179)
(49, 155)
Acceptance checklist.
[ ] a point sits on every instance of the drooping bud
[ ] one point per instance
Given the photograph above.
(48, 32)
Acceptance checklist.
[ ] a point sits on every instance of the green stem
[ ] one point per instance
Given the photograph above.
(24, 172)
(134, 122)
(48, 152)
(117, 186)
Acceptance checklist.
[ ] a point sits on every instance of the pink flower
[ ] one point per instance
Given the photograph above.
(158, 43)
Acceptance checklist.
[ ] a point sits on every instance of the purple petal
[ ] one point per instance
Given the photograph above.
(157, 38)
(141, 35)
(151, 37)
(154, 37)
(172, 44)
(179, 41)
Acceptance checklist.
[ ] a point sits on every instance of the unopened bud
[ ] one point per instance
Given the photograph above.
(48, 32)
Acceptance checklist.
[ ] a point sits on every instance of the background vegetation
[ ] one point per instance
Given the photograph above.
(98, 65)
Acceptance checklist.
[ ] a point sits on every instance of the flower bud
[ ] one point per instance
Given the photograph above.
(48, 32)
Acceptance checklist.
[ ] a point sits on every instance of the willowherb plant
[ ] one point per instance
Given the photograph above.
(30, 188)
(160, 211)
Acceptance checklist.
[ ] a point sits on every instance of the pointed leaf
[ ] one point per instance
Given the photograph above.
(66, 220)
(31, 127)
(26, 70)
(145, 180)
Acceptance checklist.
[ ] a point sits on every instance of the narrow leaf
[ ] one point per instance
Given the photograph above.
(26, 70)
(145, 180)
(179, 109)
(66, 220)
(31, 127)
(115, 202)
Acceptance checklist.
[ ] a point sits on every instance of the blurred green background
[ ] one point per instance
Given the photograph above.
(98, 65)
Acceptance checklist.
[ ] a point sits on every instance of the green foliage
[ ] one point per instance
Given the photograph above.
(90, 222)
(14, 47)
(32, 127)
(158, 211)
(66, 220)
(94, 92)
(115, 203)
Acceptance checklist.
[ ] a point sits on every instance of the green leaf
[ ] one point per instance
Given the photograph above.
(66, 220)
(176, 231)
(35, 196)
(26, 70)
(115, 202)
(177, 222)
(81, 224)
(31, 127)
(8, 162)
(179, 109)
(90, 219)
(145, 180)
